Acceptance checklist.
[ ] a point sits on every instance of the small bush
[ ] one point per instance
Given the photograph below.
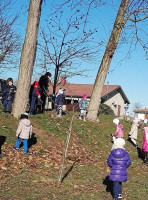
(106, 110)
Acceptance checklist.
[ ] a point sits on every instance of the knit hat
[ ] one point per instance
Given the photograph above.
(116, 121)
(25, 113)
(119, 143)
(36, 84)
(61, 91)
(84, 96)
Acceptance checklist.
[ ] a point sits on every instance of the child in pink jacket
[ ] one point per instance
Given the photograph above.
(119, 133)
(145, 144)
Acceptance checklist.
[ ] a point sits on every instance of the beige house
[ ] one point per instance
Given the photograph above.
(112, 95)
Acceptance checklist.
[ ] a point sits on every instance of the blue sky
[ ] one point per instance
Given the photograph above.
(131, 73)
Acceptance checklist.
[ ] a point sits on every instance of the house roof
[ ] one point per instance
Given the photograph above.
(145, 110)
(77, 90)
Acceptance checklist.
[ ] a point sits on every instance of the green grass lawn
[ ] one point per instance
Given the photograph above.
(36, 175)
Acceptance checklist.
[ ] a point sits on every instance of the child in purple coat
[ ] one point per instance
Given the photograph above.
(118, 161)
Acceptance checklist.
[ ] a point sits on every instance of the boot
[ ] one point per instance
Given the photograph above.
(119, 196)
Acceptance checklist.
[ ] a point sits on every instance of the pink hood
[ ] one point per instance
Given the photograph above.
(145, 140)
(146, 129)
(119, 131)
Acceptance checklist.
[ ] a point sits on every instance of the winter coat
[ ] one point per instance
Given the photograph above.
(44, 82)
(118, 161)
(60, 100)
(145, 140)
(24, 129)
(83, 104)
(36, 90)
(134, 131)
(8, 93)
(119, 131)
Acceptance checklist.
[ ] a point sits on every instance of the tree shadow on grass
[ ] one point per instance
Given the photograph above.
(68, 171)
(109, 185)
(2, 141)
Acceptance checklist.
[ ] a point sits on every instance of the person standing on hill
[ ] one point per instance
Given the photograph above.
(23, 132)
(119, 132)
(132, 136)
(8, 93)
(83, 105)
(44, 82)
(118, 161)
(60, 101)
(34, 96)
(145, 142)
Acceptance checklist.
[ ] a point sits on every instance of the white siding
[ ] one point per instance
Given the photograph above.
(119, 101)
(141, 116)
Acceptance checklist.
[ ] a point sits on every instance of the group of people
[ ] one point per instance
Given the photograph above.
(37, 95)
(133, 134)
(119, 159)
(39, 92)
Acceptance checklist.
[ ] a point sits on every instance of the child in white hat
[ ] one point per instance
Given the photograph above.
(119, 132)
(23, 132)
(118, 161)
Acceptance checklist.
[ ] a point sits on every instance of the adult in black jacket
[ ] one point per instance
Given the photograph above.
(8, 93)
(44, 85)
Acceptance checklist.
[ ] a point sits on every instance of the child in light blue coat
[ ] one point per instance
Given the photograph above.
(83, 105)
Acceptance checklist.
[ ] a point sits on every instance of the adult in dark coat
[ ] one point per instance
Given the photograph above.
(8, 93)
(118, 161)
(44, 82)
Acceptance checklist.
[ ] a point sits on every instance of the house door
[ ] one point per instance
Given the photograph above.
(119, 110)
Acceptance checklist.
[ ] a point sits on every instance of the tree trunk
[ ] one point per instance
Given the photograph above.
(27, 58)
(55, 78)
(105, 63)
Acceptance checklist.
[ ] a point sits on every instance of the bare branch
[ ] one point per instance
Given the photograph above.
(9, 39)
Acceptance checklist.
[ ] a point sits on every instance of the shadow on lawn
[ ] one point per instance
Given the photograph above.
(109, 185)
(2, 141)
(140, 153)
(69, 170)
(31, 141)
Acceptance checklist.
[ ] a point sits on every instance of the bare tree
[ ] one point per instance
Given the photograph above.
(136, 106)
(65, 44)
(9, 39)
(129, 11)
(27, 58)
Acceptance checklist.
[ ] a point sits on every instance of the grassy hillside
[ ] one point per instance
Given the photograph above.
(36, 175)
